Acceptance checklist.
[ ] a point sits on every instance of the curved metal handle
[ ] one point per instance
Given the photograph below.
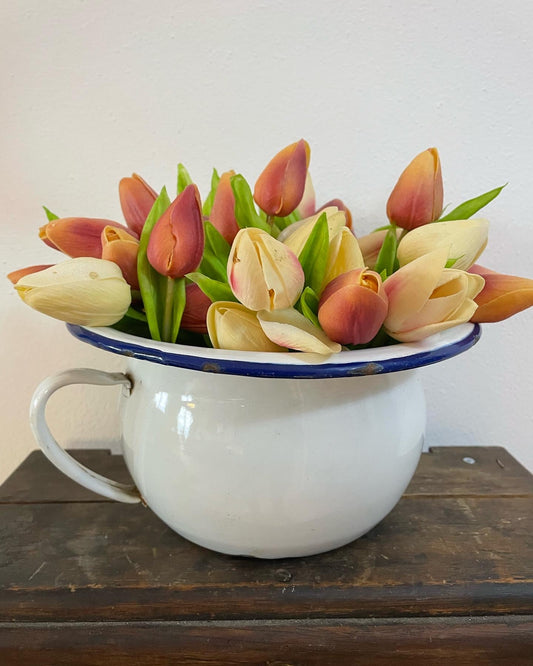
(57, 455)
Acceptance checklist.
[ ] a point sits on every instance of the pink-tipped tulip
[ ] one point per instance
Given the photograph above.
(196, 306)
(291, 329)
(340, 205)
(417, 196)
(120, 247)
(15, 276)
(232, 326)
(263, 273)
(222, 215)
(502, 296)
(176, 243)
(353, 307)
(280, 187)
(425, 298)
(136, 201)
(77, 236)
(465, 240)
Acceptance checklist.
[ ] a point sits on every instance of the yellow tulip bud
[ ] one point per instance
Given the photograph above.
(232, 326)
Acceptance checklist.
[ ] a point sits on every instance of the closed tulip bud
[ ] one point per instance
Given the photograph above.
(196, 306)
(307, 205)
(370, 245)
(425, 298)
(120, 246)
(465, 240)
(15, 276)
(136, 201)
(263, 273)
(343, 255)
(353, 306)
(232, 326)
(280, 187)
(222, 215)
(176, 243)
(291, 329)
(296, 234)
(417, 196)
(77, 236)
(339, 205)
(502, 296)
(84, 291)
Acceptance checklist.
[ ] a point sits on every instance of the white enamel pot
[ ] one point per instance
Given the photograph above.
(261, 454)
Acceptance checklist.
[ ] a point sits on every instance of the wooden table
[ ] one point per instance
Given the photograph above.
(446, 578)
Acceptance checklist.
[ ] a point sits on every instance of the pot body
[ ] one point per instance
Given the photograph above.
(269, 467)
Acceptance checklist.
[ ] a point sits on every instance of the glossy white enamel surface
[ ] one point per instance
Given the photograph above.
(271, 467)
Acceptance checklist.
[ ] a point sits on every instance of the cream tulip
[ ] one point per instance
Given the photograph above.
(232, 326)
(84, 290)
(263, 273)
(464, 239)
(296, 234)
(425, 298)
(344, 255)
(291, 329)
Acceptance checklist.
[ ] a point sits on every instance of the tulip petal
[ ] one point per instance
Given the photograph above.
(122, 248)
(465, 240)
(84, 291)
(78, 236)
(15, 276)
(463, 315)
(503, 295)
(280, 187)
(418, 195)
(291, 329)
(295, 235)
(232, 326)
(195, 313)
(306, 207)
(136, 201)
(222, 215)
(411, 286)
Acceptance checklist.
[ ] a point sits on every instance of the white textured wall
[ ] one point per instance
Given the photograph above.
(93, 90)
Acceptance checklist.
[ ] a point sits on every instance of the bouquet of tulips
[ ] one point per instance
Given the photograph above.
(270, 271)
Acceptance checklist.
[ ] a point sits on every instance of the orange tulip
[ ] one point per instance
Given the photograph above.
(15, 276)
(176, 243)
(196, 306)
(120, 247)
(280, 187)
(77, 236)
(136, 201)
(417, 196)
(307, 205)
(502, 296)
(222, 215)
(353, 307)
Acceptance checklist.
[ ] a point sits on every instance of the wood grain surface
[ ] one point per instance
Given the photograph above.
(447, 575)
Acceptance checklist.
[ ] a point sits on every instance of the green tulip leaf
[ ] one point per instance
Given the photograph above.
(212, 267)
(184, 178)
(245, 211)
(309, 305)
(178, 306)
(282, 222)
(468, 208)
(387, 259)
(208, 203)
(50, 216)
(216, 253)
(314, 255)
(152, 283)
(213, 289)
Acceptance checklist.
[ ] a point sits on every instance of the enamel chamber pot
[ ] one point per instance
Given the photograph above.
(261, 454)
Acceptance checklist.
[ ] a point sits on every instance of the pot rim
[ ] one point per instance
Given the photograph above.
(286, 365)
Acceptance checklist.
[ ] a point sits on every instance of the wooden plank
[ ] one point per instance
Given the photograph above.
(440, 472)
(470, 471)
(430, 556)
(425, 641)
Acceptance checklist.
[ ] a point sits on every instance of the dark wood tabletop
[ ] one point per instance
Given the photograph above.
(446, 577)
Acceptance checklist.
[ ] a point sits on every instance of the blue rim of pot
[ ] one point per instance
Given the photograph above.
(286, 365)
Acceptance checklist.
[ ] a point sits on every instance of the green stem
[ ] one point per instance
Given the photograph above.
(168, 307)
(270, 219)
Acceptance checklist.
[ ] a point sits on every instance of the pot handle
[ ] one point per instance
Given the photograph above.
(57, 455)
